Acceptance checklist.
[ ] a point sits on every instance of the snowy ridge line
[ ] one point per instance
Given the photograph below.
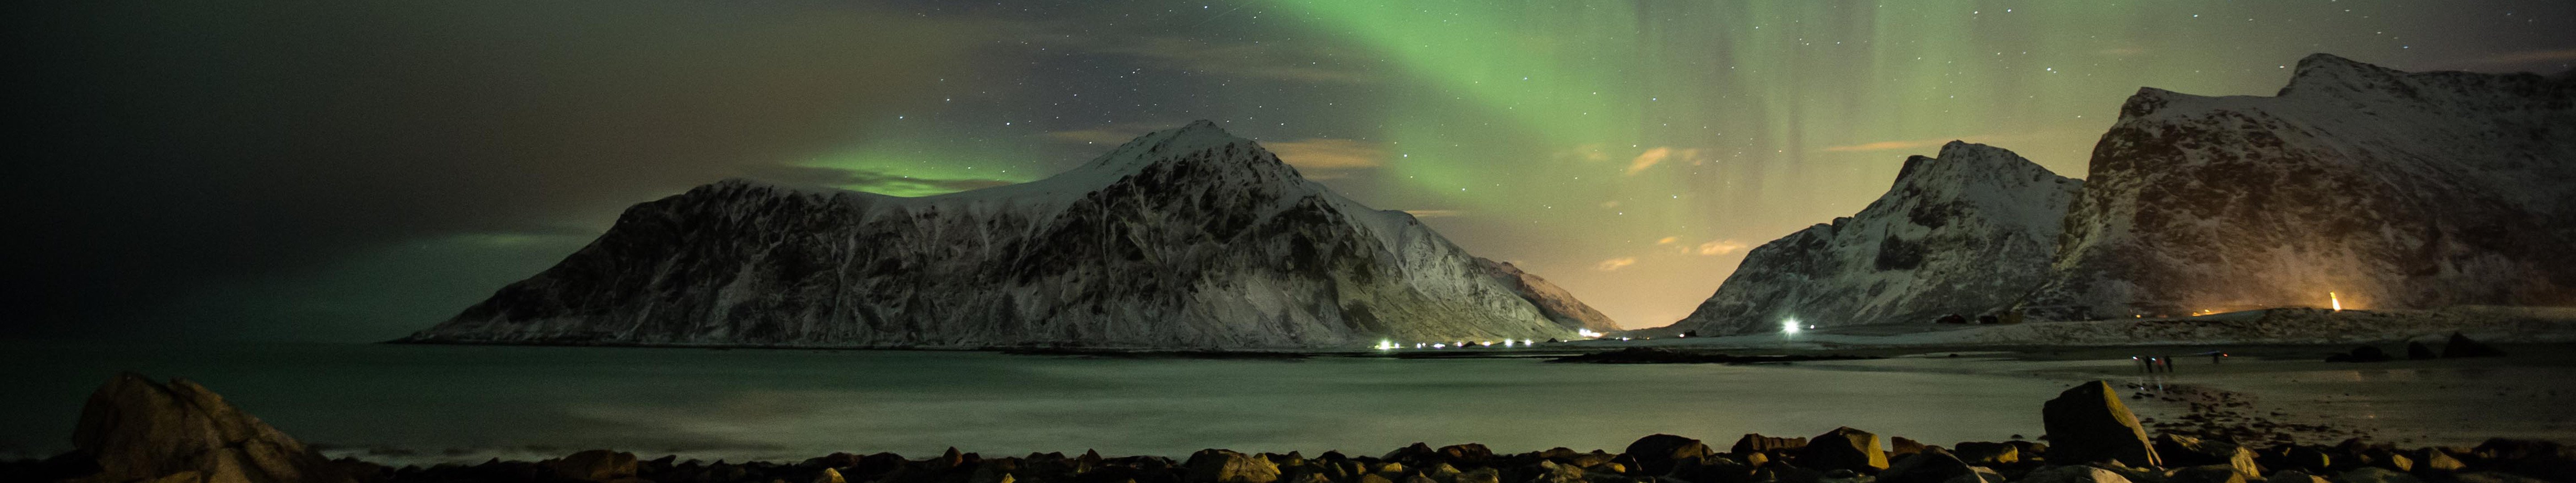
(1183, 238)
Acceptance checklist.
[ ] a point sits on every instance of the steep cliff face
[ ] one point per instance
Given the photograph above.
(1188, 237)
(2389, 189)
(1965, 233)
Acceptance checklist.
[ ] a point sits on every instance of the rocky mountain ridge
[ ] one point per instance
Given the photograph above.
(1959, 234)
(1187, 237)
(2356, 184)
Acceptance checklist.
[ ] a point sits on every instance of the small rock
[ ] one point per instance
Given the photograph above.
(1928, 466)
(1226, 466)
(2179, 450)
(2218, 473)
(1898, 445)
(2497, 477)
(594, 465)
(1977, 474)
(1982, 453)
(2420, 351)
(2308, 458)
(2294, 476)
(2088, 423)
(1756, 443)
(2437, 460)
(2360, 354)
(1470, 454)
(1480, 475)
(2461, 346)
(1442, 472)
(2072, 474)
(2372, 474)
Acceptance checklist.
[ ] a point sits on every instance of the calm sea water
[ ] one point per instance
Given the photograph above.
(405, 403)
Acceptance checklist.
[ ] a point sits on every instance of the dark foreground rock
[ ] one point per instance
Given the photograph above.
(2089, 424)
(136, 431)
(2461, 346)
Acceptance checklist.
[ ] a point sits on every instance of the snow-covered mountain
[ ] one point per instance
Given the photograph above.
(1183, 238)
(2389, 189)
(1556, 303)
(1965, 233)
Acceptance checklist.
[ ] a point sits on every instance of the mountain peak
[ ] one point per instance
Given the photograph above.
(1961, 157)
(2330, 73)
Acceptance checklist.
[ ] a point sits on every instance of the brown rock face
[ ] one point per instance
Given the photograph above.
(139, 429)
(2088, 423)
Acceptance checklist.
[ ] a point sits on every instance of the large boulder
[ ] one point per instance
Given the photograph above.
(1226, 466)
(1658, 452)
(2461, 346)
(1844, 448)
(2088, 423)
(137, 429)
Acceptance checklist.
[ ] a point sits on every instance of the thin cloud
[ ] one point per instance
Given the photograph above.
(1668, 240)
(1888, 145)
(1327, 158)
(1720, 247)
(1615, 263)
(2528, 56)
(1658, 155)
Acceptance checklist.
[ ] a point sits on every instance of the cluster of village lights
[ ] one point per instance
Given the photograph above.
(1389, 344)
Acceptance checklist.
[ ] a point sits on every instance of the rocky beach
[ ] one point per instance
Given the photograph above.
(134, 429)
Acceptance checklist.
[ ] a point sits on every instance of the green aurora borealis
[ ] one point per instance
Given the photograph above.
(1631, 151)
(1628, 151)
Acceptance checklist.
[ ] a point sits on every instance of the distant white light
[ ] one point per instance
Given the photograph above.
(1384, 344)
(1440, 346)
(1587, 333)
(1789, 326)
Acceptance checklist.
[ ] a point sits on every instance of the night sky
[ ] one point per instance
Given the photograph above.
(357, 170)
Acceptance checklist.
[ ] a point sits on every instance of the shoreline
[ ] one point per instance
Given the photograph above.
(135, 429)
